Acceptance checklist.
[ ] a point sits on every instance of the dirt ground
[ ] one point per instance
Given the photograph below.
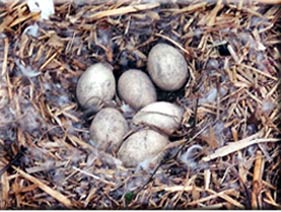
(225, 155)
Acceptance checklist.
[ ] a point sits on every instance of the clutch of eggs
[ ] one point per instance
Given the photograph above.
(167, 69)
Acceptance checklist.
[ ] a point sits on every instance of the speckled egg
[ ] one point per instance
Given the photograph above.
(164, 116)
(136, 88)
(108, 128)
(96, 85)
(142, 145)
(167, 67)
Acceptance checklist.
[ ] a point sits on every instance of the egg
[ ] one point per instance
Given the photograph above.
(136, 88)
(167, 67)
(96, 85)
(164, 116)
(108, 129)
(141, 146)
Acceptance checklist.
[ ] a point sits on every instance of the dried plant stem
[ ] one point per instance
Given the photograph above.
(124, 10)
(238, 145)
(5, 59)
(257, 177)
(55, 194)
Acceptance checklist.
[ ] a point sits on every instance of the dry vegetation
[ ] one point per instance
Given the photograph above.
(226, 153)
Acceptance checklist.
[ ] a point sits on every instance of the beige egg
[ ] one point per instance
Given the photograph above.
(164, 116)
(167, 67)
(136, 88)
(107, 129)
(142, 145)
(96, 85)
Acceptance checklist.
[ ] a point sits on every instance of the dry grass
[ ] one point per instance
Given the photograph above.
(231, 102)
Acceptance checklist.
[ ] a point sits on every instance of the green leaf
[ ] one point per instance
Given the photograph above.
(129, 196)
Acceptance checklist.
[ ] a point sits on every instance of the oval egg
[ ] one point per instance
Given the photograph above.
(96, 85)
(167, 67)
(142, 145)
(108, 128)
(164, 116)
(136, 89)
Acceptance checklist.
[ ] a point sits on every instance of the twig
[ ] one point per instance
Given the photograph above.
(93, 176)
(55, 194)
(258, 171)
(238, 145)
(5, 59)
(124, 10)
(173, 42)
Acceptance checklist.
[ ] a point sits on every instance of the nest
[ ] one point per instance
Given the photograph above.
(224, 156)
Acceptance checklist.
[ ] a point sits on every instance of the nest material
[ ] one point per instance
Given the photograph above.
(225, 155)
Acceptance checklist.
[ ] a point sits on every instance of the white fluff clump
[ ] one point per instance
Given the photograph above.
(148, 164)
(57, 95)
(31, 120)
(91, 160)
(3, 96)
(127, 111)
(45, 7)
(27, 70)
(32, 30)
(211, 95)
(63, 100)
(189, 157)
(58, 176)
(255, 45)
(267, 106)
(135, 182)
(7, 115)
(213, 64)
